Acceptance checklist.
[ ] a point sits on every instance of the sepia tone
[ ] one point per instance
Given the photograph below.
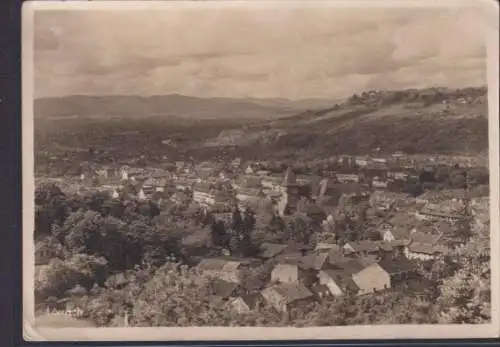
(261, 166)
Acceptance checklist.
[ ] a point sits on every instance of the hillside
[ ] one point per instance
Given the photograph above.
(415, 121)
(100, 107)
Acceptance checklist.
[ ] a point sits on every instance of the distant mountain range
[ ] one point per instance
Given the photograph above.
(82, 106)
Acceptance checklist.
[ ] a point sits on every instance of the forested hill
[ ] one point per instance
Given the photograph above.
(434, 120)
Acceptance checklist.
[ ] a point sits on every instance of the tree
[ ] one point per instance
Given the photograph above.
(219, 234)
(59, 276)
(45, 192)
(465, 297)
(257, 278)
(177, 296)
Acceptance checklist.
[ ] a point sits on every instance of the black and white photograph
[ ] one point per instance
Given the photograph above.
(260, 170)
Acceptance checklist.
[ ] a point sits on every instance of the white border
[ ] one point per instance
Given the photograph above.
(487, 8)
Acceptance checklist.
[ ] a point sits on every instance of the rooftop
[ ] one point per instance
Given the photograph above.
(292, 291)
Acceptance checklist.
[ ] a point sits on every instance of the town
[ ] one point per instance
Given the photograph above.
(285, 234)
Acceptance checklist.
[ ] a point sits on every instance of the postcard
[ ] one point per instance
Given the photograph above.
(260, 170)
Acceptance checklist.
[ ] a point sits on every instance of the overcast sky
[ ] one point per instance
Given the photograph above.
(291, 53)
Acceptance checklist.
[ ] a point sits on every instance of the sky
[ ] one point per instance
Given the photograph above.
(256, 52)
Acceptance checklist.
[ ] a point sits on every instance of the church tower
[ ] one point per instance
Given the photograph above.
(289, 194)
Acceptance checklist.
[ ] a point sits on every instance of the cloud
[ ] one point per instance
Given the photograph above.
(294, 53)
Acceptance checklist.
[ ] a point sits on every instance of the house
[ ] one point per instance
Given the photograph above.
(397, 175)
(326, 247)
(314, 261)
(321, 291)
(437, 197)
(43, 254)
(290, 256)
(378, 183)
(249, 170)
(247, 181)
(223, 269)
(271, 183)
(436, 212)
(245, 303)
(271, 250)
(263, 172)
(244, 194)
(222, 290)
(404, 220)
(329, 173)
(396, 234)
(394, 248)
(314, 212)
(346, 178)
(425, 251)
(363, 247)
(287, 295)
(183, 184)
(371, 279)
(362, 161)
(338, 282)
(70, 307)
(204, 194)
(285, 273)
(399, 268)
(383, 200)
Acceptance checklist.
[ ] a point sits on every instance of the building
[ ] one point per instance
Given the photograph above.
(338, 282)
(222, 290)
(321, 291)
(437, 197)
(326, 247)
(424, 251)
(397, 175)
(271, 250)
(379, 183)
(363, 247)
(396, 234)
(290, 194)
(271, 184)
(371, 279)
(314, 261)
(362, 161)
(384, 200)
(44, 254)
(346, 178)
(247, 181)
(245, 194)
(399, 268)
(245, 303)
(441, 212)
(287, 295)
(250, 170)
(285, 273)
(204, 194)
(222, 269)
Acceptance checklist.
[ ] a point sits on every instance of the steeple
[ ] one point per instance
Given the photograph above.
(323, 187)
(290, 178)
